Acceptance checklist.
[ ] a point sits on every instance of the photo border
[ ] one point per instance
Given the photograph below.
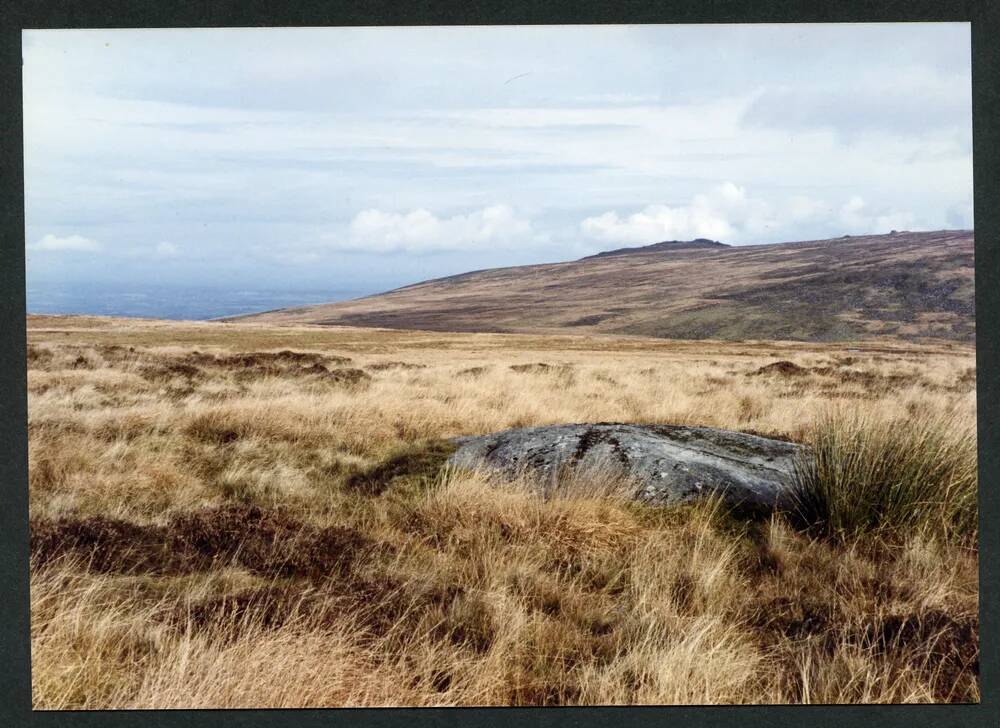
(15, 683)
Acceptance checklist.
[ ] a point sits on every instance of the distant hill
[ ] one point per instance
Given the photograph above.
(902, 285)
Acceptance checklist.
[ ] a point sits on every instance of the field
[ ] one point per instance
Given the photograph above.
(241, 515)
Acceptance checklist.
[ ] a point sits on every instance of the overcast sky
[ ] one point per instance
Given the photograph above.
(367, 158)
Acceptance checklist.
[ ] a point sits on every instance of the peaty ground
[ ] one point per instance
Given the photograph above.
(235, 515)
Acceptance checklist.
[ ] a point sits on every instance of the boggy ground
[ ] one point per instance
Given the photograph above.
(231, 515)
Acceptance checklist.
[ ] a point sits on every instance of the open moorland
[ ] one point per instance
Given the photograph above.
(904, 286)
(244, 515)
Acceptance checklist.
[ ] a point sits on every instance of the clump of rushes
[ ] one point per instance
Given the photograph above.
(879, 475)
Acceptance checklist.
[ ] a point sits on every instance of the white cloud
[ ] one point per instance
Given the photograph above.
(160, 251)
(725, 213)
(167, 250)
(422, 231)
(961, 215)
(199, 136)
(804, 209)
(910, 102)
(857, 216)
(613, 98)
(73, 243)
(728, 214)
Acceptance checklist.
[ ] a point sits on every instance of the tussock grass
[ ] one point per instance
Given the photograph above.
(876, 475)
(218, 524)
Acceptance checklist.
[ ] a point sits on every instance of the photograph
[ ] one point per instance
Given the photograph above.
(501, 365)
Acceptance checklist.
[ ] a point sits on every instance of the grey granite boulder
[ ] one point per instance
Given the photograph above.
(668, 463)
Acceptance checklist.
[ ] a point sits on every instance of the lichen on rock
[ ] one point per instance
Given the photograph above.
(668, 463)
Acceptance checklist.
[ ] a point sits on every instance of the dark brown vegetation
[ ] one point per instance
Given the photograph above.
(263, 542)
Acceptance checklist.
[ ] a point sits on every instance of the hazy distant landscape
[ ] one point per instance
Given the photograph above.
(175, 302)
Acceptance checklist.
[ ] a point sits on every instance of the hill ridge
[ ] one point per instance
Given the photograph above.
(903, 285)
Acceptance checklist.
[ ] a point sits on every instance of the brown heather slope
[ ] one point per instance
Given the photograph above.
(902, 285)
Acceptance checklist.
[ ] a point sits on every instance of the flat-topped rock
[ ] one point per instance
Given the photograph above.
(669, 463)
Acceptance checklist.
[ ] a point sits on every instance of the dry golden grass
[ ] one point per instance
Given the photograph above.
(230, 515)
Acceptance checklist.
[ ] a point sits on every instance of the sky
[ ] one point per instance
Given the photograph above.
(362, 159)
